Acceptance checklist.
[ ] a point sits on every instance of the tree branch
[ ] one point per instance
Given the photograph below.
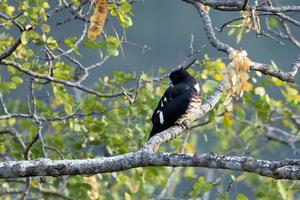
(285, 169)
(56, 80)
(263, 68)
(278, 73)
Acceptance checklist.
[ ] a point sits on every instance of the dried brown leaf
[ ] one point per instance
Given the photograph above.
(98, 19)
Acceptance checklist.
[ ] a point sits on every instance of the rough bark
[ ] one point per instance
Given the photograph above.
(286, 169)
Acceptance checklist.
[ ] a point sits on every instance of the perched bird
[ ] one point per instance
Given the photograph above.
(177, 103)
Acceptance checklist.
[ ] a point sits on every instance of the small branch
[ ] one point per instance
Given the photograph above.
(290, 35)
(16, 135)
(10, 191)
(60, 81)
(278, 73)
(3, 104)
(56, 150)
(10, 50)
(210, 32)
(26, 189)
(76, 43)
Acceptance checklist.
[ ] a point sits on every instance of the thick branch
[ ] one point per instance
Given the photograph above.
(286, 169)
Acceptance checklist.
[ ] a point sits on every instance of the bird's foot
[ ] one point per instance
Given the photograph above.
(184, 124)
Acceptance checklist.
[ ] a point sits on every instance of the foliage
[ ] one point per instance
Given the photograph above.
(86, 126)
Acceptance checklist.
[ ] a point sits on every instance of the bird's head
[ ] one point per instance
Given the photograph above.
(178, 76)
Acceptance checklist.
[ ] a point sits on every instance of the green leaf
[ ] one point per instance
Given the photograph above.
(123, 13)
(200, 186)
(113, 41)
(273, 22)
(52, 43)
(209, 85)
(227, 120)
(241, 197)
(127, 196)
(260, 91)
(121, 77)
(239, 35)
(68, 108)
(111, 50)
(93, 44)
(61, 97)
(17, 80)
(10, 10)
(45, 4)
(125, 20)
(231, 31)
(112, 45)
(125, 7)
(76, 2)
(24, 37)
(240, 113)
(281, 190)
(45, 28)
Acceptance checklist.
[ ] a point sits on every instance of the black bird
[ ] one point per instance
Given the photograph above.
(178, 101)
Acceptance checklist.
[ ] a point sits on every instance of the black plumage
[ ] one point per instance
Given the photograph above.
(178, 101)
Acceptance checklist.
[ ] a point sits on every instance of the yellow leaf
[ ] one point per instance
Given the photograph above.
(291, 91)
(11, 121)
(10, 10)
(247, 86)
(218, 77)
(204, 74)
(227, 101)
(241, 197)
(34, 182)
(229, 107)
(189, 172)
(188, 148)
(127, 196)
(227, 120)
(260, 91)
(281, 189)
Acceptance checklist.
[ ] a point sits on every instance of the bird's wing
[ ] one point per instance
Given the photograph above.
(170, 94)
(172, 105)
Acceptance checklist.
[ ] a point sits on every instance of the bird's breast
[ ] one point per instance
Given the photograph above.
(193, 106)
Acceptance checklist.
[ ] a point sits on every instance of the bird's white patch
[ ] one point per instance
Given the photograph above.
(165, 99)
(197, 88)
(161, 117)
(161, 104)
